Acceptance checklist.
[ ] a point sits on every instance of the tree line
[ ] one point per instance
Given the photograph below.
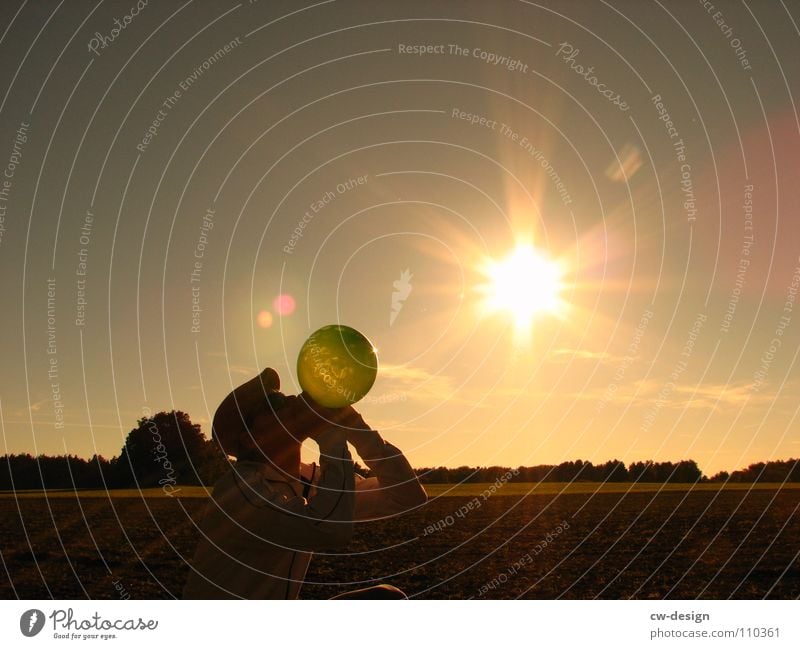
(162, 450)
(167, 449)
(685, 471)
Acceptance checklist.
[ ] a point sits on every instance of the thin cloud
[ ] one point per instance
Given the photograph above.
(715, 396)
(244, 370)
(36, 406)
(583, 354)
(415, 383)
(708, 396)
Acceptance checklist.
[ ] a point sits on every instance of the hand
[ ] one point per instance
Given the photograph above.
(307, 419)
(304, 418)
(357, 432)
(270, 381)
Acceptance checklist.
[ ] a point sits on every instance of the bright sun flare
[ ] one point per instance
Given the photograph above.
(525, 284)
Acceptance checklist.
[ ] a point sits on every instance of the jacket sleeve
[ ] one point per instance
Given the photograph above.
(393, 486)
(324, 522)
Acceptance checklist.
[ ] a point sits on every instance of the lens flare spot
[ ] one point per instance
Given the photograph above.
(264, 319)
(284, 304)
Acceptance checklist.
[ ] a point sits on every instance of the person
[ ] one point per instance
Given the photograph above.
(271, 512)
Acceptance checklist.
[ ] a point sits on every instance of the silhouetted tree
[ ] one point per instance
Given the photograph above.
(166, 448)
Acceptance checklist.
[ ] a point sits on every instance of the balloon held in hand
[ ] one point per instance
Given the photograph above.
(337, 366)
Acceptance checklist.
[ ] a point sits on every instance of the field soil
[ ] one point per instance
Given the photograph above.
(699, 544)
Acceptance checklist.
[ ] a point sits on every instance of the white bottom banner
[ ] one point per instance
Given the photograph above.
(333, 624)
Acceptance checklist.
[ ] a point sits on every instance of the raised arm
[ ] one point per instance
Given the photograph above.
(393, 487)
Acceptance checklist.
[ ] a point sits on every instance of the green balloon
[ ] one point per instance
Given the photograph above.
(337, 366)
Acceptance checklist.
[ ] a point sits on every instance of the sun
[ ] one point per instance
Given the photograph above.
(526, 284)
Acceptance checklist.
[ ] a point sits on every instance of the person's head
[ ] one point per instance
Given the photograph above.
(234, 417)
(271, 435)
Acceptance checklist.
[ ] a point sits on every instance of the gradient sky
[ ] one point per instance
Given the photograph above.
(308, 98)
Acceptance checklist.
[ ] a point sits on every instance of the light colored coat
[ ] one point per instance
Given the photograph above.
(259, 532)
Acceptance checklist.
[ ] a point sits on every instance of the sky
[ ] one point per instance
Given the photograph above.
(169, 175)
